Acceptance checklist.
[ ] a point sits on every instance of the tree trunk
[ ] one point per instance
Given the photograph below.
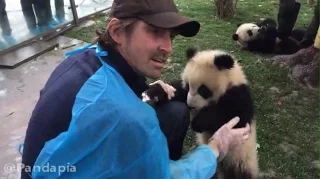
(304, 66)
(225, 8)
(310, 3)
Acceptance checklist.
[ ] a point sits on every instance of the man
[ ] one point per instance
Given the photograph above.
(90, 120)
(35, 13)
(4, 21)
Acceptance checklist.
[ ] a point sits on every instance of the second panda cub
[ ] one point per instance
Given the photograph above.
(214, 84)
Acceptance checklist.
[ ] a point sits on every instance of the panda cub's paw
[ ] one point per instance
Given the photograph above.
(158, 92)
(166, 87)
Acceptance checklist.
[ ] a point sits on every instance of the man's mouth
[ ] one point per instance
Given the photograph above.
(159, 60)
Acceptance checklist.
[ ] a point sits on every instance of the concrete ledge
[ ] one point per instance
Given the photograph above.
(15, 58)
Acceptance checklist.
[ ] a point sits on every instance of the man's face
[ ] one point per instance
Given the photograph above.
(147, 49)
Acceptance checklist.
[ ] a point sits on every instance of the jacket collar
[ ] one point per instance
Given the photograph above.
(135, 81)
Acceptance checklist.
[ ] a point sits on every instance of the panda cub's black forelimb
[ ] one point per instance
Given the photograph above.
(236, 101)
(156, 95)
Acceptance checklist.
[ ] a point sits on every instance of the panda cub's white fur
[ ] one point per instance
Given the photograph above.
(201, 70)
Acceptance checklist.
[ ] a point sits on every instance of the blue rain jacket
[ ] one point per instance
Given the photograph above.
(113, 134)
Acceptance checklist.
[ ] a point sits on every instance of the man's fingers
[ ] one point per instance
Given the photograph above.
(247, 129)
(233, 122)
(243, 131)
(170, 91)
(167, 90)
(166, 87)
(173, 89)
(156, 82)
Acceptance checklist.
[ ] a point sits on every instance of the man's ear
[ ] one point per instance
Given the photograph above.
(114, 28)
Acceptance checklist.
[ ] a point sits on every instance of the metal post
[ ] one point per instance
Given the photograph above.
(74, 12)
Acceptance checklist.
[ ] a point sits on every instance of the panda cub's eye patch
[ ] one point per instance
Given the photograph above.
(250, 32)
(204, 91)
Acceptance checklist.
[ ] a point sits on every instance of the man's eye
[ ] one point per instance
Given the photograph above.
(156, 31)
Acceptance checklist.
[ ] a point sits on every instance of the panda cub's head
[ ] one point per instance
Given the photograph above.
(208, 75)
(246, 32)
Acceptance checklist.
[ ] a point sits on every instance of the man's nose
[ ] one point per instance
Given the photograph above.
(166, 44)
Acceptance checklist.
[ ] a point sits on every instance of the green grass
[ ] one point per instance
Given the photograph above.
(287, 133)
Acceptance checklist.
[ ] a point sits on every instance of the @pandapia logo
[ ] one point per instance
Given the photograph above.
(10, 168)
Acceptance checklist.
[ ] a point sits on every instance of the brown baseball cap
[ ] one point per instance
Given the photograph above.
(158, 13)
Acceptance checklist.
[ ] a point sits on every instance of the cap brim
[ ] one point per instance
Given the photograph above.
(173, 20)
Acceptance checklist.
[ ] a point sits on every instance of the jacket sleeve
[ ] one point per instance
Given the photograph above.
(201, 163)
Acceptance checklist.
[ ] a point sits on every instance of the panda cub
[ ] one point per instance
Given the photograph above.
(261, 39)
(265, 39)
(214, 84)
(245, 34)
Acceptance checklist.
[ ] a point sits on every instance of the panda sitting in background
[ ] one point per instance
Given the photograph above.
(265, 40)
(214, 84)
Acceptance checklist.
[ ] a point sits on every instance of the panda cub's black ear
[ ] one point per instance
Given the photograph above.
(224, 61)
(191, 51)
(235, 37)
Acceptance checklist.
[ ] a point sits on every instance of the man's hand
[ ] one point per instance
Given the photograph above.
(166, 87)
(227, 139)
